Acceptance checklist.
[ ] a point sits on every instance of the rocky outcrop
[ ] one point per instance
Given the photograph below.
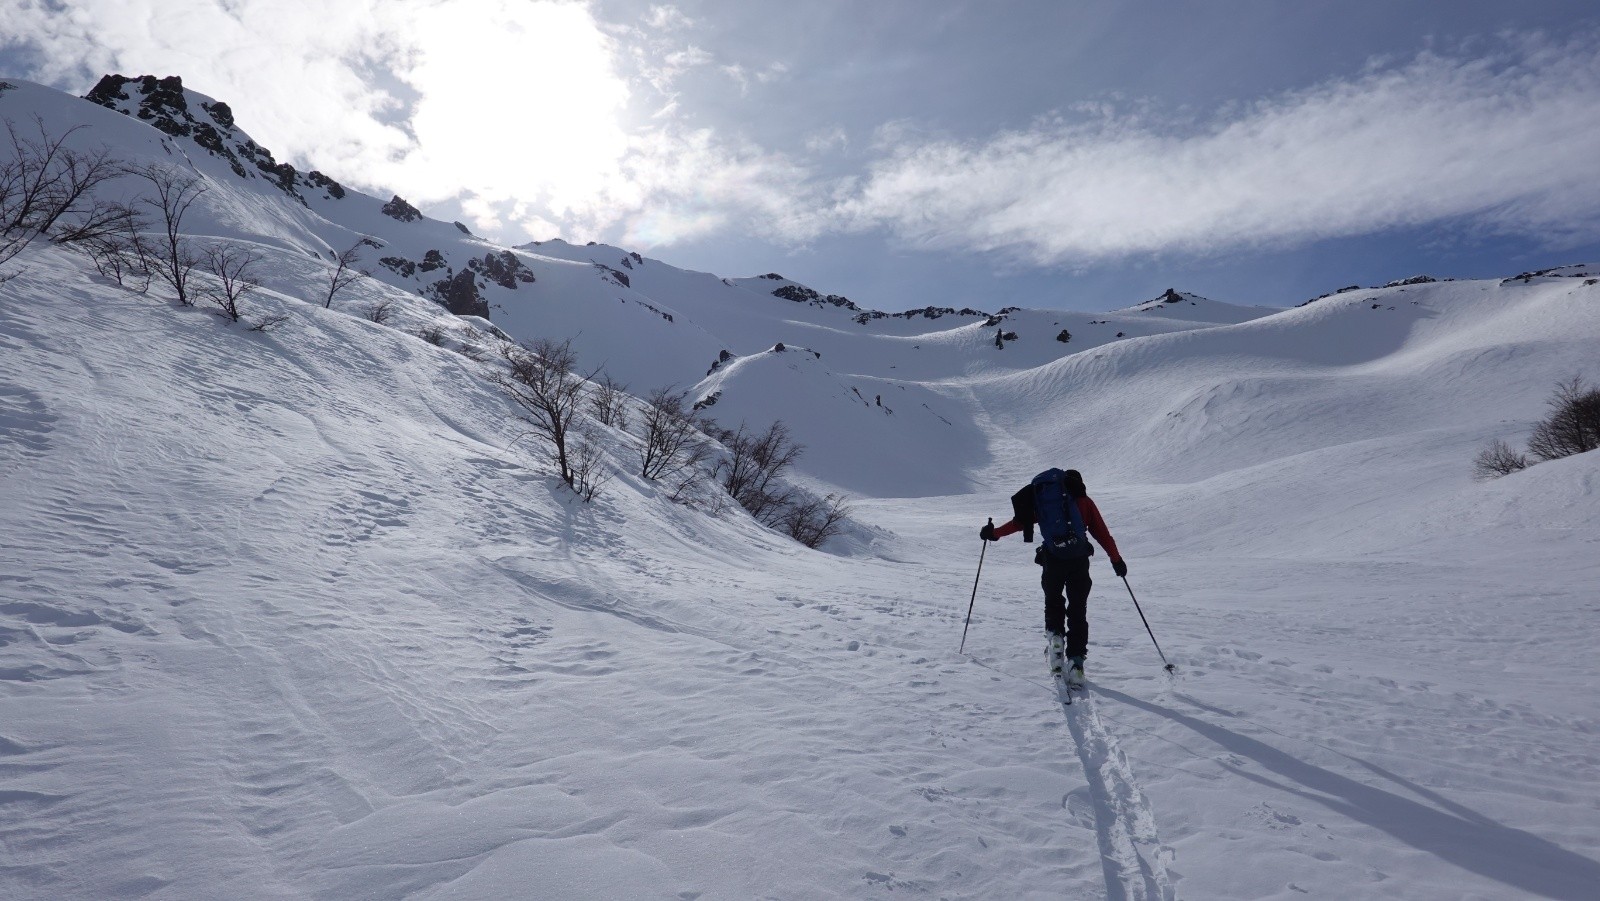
(433, 260)
(165, 104)
(399, 210)
(459, 294)
(332, 188)
(802, 294)
(616, 275)
(924, 313)
(399, 266)
(504, 269)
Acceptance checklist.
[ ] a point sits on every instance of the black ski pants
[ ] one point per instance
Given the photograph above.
(1066, 602)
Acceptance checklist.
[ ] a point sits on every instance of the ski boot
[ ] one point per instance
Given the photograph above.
(1053, 653)
(1075, 671)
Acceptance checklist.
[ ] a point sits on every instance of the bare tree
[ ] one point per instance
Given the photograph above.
(673, 443)
(609, 402)
(434, 335)
(588, 461)
(1573, 426)
(123, 255)
(812, 520)
(752, 472)
(345, 273)
(173, 256)
(540, 378)
(48, 189)
(1498, 459)
(381, 311)
(234, 269)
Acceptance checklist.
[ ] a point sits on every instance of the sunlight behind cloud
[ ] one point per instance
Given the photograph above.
(517, 101)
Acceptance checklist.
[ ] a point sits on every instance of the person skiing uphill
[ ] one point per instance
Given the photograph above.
(1059, 503)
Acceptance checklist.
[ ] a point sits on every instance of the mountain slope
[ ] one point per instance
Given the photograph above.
(302, 614)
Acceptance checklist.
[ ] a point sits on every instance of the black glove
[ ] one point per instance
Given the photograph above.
(1119, 567)
(987, 532)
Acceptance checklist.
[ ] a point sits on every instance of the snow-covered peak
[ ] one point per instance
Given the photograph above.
(1181, 305)
(183, 113)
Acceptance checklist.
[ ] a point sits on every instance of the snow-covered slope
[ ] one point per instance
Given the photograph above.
(298, 614)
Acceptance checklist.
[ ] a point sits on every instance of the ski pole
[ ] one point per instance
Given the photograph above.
(1146, 622)
(974, 592)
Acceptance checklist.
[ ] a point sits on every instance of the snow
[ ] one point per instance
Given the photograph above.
(298, 614)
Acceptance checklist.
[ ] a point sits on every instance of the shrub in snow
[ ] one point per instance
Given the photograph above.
(1573, 426)
(542, 381)
(672, 441)
(752, 474)
(233, 268)
(609, 402)
(48, 190)
(586, 451)
(752, 471)
(1498, 459)
(812, 520)
(172, 255)
(381, 311)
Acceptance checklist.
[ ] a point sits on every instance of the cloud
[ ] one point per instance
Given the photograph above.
(495, 99)
(539, 119)
(1505, 142)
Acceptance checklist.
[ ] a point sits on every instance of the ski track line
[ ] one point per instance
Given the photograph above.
(1122, 815)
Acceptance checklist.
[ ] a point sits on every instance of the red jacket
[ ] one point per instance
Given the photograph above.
(1092, 522)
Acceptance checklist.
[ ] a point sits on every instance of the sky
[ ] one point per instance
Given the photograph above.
(1084, 155)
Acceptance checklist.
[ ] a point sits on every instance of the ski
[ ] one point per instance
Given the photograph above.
(1066, 691)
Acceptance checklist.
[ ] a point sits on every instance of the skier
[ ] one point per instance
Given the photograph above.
(1065, 558)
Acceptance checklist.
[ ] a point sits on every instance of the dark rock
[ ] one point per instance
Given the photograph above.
(334, 189)
(459, 294)
(504, 269)
(400, 266)
(432, 260)
(1064, 337)
(1413, 280)
(797, 293)
(1171, 297)
(618, 274)
(220, 112)
(464, 229)
(398, 209)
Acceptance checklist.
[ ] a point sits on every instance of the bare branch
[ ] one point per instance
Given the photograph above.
(173, 258)
(1573, 426)
(345, 273)
(542, 382)
(234, 269)
(1498, 459)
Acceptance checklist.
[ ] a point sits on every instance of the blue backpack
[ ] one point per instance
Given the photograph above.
(1060, 523)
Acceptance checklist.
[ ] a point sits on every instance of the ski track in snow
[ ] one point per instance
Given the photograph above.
(1135, 861)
